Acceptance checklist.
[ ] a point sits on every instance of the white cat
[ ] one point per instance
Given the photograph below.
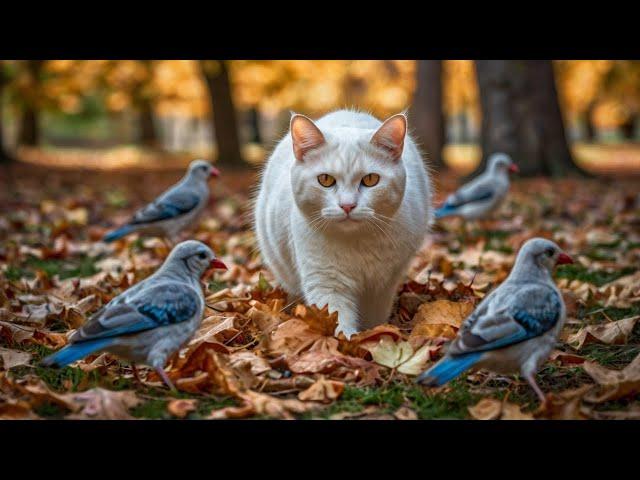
(343, 206)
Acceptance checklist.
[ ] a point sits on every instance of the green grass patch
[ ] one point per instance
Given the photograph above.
(611, 355)
(156, 408)
(216, 286)
(82, 266)
(601, 314)
(153, 409)
(74, 267)
(13, 274)
(595, 277)
(449, 403)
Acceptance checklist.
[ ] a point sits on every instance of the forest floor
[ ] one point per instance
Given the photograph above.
(258, 356)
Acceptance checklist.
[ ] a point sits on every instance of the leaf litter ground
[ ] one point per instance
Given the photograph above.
(259, 354)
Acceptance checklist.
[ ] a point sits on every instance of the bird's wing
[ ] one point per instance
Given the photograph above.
(529, 311)
(175, 202)
(158, 306)
(476, 191)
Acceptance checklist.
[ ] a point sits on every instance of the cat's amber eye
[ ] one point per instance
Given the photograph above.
(326, 180)
(370, 180)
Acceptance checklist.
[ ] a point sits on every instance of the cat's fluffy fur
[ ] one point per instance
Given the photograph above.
(318, 253)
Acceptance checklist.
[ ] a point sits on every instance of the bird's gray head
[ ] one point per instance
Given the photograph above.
(202, 170)
(501, 162)
(542, 253)
(193, 258)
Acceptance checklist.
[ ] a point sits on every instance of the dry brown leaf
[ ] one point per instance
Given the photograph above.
(376, 332)
(631, 414)
(101, 404)
(212, 329)
(13, 358)
(318, 319)
(405, 413)
(511, 411)
(182, 407)
(493, 409)
(264, 317)
(399, 355)
(291, 338)
(256, 364)
(254, 403)
(614, 383)
(611, 333)
(486, 409)
(323, 390)
(441, 318)
(566, 358)
(12, 409)
(366, 412)
(566, 405)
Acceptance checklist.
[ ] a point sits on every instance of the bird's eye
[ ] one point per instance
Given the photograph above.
(370, 180)
(549, 252)
(202, 256)
(326, 180)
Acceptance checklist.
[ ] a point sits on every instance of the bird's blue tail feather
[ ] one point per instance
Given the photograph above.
(117, 234)
(448, 368)
(74, 352)
(444, 211)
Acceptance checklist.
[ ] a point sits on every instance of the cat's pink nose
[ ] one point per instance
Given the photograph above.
(347, 207)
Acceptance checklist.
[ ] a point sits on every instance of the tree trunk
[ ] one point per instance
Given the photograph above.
(521, 116)
(29, 128)
(29, 133)
(427, 120)
(590, 127)
(254, 121)
(4, 155)
(628, 128)
(224, 117)
(148, 136)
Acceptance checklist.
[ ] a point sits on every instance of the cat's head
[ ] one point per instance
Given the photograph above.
(348, 178)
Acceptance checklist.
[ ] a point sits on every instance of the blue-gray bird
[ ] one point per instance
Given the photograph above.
(516, 326)
(151, 320)
(175, 209)
(478, 198)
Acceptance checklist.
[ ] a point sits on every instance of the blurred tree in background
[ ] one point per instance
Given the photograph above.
(427, 117)
(30, 84)
(521, 116)
(225, 122)
(235, 110)
(5, 76)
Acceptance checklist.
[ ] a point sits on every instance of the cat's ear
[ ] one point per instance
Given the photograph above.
(390, 135)
(305, 135)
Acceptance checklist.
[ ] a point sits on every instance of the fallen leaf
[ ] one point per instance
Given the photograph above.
(493, 409)
(614, 383)
(611, 333)
(101, 404)
(441, 318)
(400, 355)
(566, 405)
(13, 358)
(566, 358)
(181, 407)
(486, 409)
(324, 391)
(405, 413)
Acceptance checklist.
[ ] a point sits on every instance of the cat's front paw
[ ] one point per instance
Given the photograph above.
(347, 330)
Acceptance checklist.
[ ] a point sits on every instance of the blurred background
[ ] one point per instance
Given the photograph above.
(555, 117)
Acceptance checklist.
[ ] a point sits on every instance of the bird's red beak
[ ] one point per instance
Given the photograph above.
(563, 259)
(218, 264)
(513, 168)
(214, 172)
